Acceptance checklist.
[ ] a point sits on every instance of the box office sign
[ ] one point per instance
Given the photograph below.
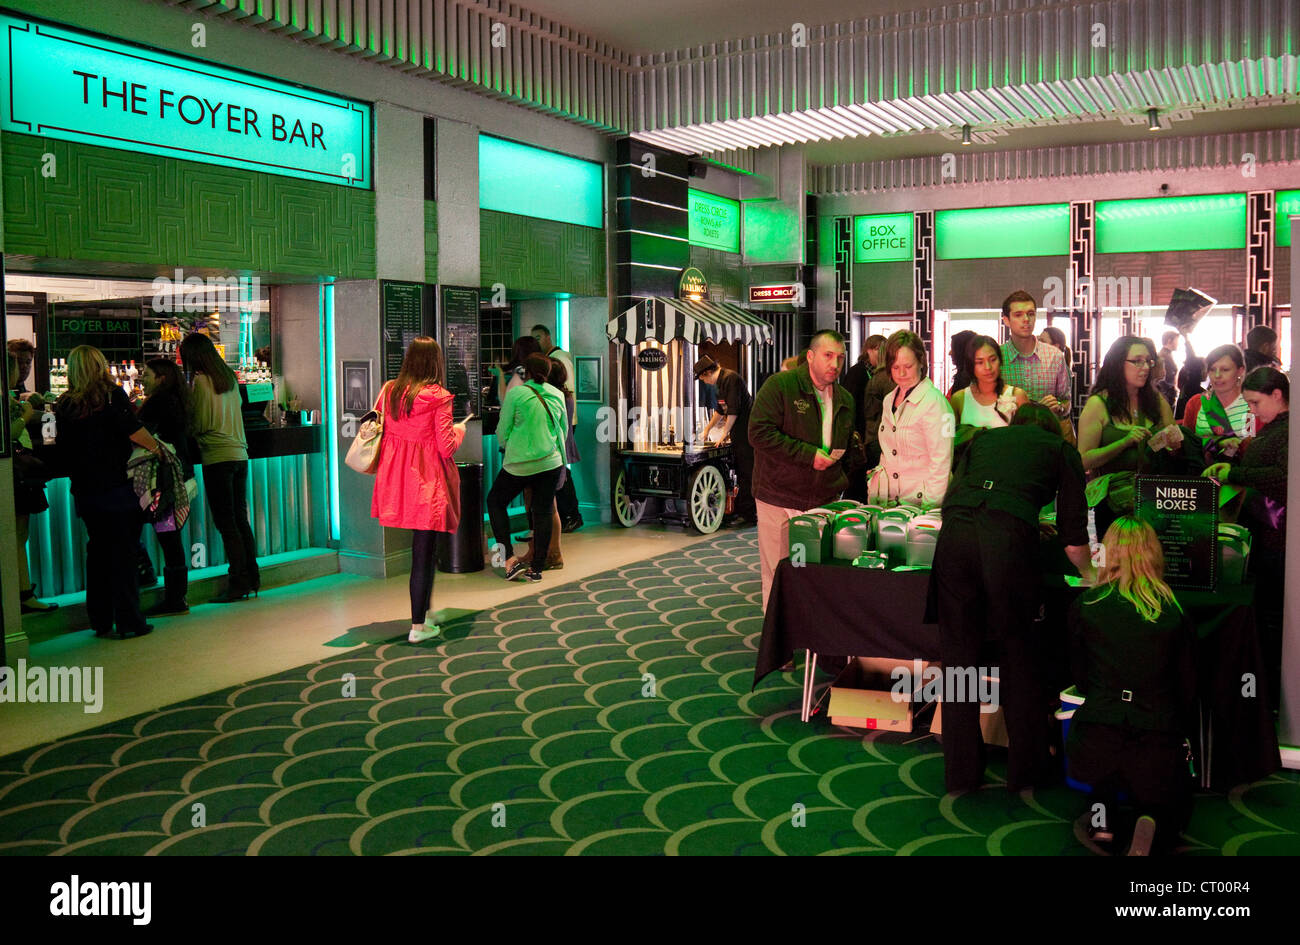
(1185, 514)
(882, 237)
(77, 86)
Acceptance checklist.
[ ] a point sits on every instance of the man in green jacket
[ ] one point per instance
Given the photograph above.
(801, 425)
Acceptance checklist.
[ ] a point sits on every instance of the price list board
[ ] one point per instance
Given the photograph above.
(460, 347)
(401, 321)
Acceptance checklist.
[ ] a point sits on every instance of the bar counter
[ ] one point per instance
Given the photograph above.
(287, 505)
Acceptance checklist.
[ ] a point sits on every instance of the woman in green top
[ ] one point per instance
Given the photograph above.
(532, 429)
(219, 428)
(1122, 412)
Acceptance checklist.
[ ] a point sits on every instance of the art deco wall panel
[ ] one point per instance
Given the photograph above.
(531, 255)
(117, 207)
(430, 242)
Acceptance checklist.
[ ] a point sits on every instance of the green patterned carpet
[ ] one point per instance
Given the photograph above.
(533, 729)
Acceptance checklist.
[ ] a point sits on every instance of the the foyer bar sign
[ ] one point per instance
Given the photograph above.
(81, 87)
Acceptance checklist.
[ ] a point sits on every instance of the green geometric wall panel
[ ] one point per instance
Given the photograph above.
(722, 269)
(430, 242)
(527, 254)
(123, 207)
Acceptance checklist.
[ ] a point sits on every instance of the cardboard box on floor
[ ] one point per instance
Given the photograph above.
(863, 695)
(992, 724)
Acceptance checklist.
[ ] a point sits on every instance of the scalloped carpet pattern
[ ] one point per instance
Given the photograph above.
(606, 716)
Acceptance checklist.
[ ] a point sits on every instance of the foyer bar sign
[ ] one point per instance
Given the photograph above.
(77, 86)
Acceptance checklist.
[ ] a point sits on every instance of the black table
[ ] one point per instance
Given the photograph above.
(840, 611)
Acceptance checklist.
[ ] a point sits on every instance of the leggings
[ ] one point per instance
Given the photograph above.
(422, 570)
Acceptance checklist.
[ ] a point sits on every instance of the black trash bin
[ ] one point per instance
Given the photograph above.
(461, 552)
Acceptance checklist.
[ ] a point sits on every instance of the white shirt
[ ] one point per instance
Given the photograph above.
(915, 448)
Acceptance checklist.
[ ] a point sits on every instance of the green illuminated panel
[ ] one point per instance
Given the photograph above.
(882, 237)
(80, 87)
(714, 221)
(1162, 224)
(1001, 232)
(514, 178)
(1287, 205)
(771, 233)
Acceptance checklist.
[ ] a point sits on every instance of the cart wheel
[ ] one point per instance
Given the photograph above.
(627, 510)
(708, 497)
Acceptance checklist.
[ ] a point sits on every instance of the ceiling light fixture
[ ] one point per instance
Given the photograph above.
(1153, 120)
(965, 134)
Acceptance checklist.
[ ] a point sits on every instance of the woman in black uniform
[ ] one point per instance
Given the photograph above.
(1131, 658)
(985, 583)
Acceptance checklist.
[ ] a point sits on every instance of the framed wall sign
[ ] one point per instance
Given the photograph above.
(358, 394)
(589, 386)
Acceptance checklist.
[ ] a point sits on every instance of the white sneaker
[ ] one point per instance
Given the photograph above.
(428, 632)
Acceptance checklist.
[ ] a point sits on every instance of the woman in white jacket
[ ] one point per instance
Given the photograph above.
(916, 431)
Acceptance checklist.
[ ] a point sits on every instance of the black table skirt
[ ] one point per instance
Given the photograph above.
(840, 611)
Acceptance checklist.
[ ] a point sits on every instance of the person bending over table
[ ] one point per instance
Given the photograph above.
(800, 426)
(916, 431)
(1131, 659)
(1263, 469)
(985, 583)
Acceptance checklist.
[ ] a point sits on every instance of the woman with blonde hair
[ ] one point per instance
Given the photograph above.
(1131, 658)
(95, 429)
(417, 485)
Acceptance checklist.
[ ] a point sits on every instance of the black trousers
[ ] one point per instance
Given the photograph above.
(112, 522)
(503, 491)
(423, 557)
(566, 499)
(1151, 767)
(743, 454)
(227, 487)
(986, 578)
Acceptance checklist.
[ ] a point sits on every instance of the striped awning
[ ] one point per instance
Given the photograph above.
(665, 319)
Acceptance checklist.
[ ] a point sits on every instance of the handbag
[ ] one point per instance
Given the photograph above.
(363, 454)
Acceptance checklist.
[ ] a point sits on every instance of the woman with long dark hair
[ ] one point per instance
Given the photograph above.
(219, 428)
(988, 401)
(1122, 412)
(417, 485)
(166, 414)
(95, 429)
(532, 430)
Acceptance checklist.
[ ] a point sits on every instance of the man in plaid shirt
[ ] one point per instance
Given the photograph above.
(1036, 367)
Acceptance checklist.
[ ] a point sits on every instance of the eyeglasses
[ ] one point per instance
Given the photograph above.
(1140, 362)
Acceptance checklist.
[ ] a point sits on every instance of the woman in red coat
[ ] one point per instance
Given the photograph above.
(417, 485)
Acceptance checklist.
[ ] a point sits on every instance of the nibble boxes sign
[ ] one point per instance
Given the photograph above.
(76, 86)
(1184, 512)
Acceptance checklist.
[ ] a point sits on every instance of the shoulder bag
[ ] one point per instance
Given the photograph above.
(363, 454)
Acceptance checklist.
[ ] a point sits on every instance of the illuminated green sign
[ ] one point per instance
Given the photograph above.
(772, 233)
(1286, 205)
(1003, 232)
(76, 86)
(714, 221)
(1163, 224)
(515, 178)
(882, 237)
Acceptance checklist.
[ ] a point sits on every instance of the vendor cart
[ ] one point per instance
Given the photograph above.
(659, 455)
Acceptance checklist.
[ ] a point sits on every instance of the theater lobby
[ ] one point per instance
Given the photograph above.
(313, 185)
